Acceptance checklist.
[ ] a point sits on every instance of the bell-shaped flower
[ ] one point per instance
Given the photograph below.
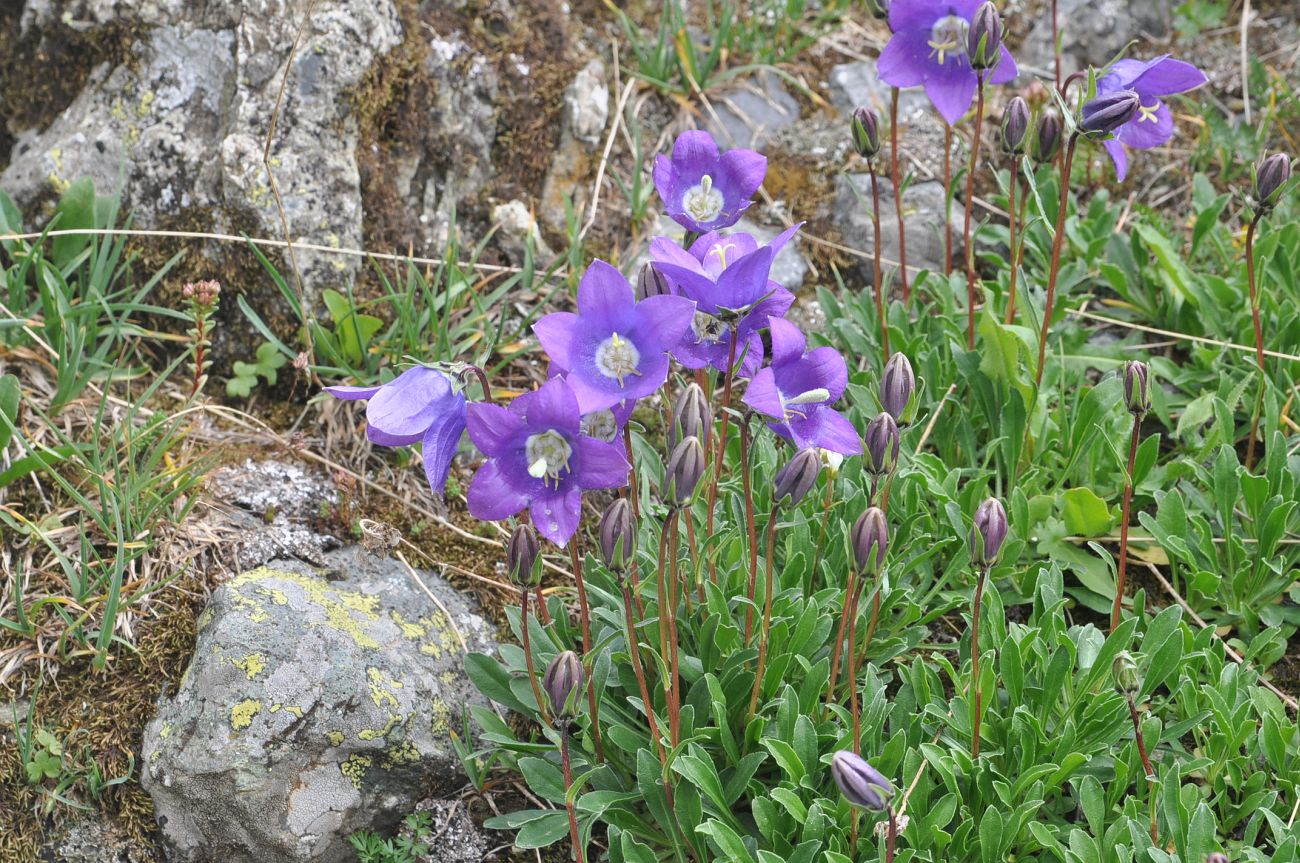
(798, 389)
(613, 349)
(421, 405)
(539, 459)
(703, 189)
(1152, 80)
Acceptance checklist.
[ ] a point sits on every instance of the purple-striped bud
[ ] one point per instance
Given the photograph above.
(1137, 394)
(685, 468)
(523, 553)
(984, 39)
(651, 283)
(988, 532)
(1015, 127)
(1047, 138)
(882, 444)
(1270, 175)
(618, 535)
(562, 683)
(896, 386)
(692, 416)
(797, 478)
(861, 784)
(1217, 857)
(865, 127)
(870, 539)
(1108, 112)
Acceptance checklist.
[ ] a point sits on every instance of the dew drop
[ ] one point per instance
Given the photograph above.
(553, 527)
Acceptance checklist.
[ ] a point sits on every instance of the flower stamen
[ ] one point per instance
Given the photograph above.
(702, 202)
(948, 36)
(1148, 112)
(617, 357)
(548, 456)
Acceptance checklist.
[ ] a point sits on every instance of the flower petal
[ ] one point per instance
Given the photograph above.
(742, 173)
(1167, 76)
(605, 299)
(493, 429)
(1118, 156)
(556, 513)
(353, 393)
(440, 443)
(1146, 131)
(745, 281)
(1006, 70)
(558, 333)
(664, 251)
(407, 405)
(788, 342)
(694, 152)
(600, 464)
(905, 59)
(762, 395)
(661, 322)
(951, 88)
(826, 428)
(492, 496)
(553, 405)
(693, 285)
(820, 368)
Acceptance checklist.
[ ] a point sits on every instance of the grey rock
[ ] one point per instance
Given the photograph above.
(460, 840)
(790, 267)
(586, 102)
(749, 112)
(855, 85)
(318, 703)
(273, 503)
(91, 838)
(519, 231)
(1094, 31)
(923, 219)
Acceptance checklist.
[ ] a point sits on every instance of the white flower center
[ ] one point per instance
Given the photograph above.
(948, 36)
(616, 357)
(600, 425)
(702, 202)
(708, 329)
(548, 454)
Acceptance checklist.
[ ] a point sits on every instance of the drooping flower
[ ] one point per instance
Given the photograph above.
(798, 389)
(929, 48)
(1152, 81)
(418, 406)
(703, 189)
(538, 458)
(613, 349)
(727, 277)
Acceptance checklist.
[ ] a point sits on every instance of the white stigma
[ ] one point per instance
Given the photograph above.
(708, 330)
(616, 357)
(1149, 112)
(702, 202)
(600, 425)
(548, 455)
(811, 397)
(721, 249)
(948, 36)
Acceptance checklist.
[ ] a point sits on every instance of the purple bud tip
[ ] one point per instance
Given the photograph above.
(692, 416)
(984, 38)
(562, 681)
(1108, 112)
(896, 385)
(861, 784)
(522, 553)
(865, 127)
(1015, 127)
(1271, 174)
(1137, 392)
(882, 440)
(651, 283)
(1047, 138)
(988, 532)
(618, 535)
(685, 468)
(870, 540)
(1217, 857)
(797, 477)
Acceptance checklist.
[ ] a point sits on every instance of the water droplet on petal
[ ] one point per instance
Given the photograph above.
(554, 528)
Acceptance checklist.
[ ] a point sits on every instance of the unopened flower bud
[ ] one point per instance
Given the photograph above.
(896, 386)
(1125, 672)
(692, 416)
(1217, 857)
(1108, 112)
(861, 784)
(523, 552)
(882, 444)
(685, 467)
(1270, 175)
(1015, 127)
(651, 283)
(1047, 138)
(797, 478)
(618, 535)
(563, 683)
(870, 538)
(879, 9)
(1137, 394)
(865, 127)
(988, 532)
(984, 39)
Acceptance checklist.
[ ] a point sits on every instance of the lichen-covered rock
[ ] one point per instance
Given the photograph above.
(317, 703)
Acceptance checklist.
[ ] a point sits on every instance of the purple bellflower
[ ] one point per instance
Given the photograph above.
(606, 423)
(418, 406)
(727, 277)
(614, 349)
(929, 48)
(798, 389)
(1151, 80)
(702, 189)
(538, 458)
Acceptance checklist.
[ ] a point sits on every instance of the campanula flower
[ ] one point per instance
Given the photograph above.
(538, 458)
(613, 349)
(727, 277)
(929, 48)
(605, 423)
(1152, 80)
(798, 389)
(704, 190)
(418, 406)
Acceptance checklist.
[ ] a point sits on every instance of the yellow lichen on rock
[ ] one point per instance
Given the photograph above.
(382, 685)
(401, 753)
(345, 610)
(241, 715)
(252, 665)
(355, 768)
(336, 738)
(380, 733)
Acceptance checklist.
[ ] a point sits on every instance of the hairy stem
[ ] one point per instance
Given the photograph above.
(1146, 762)
(578, 853)
(1123, 525)
(634, 650)
(896, 178)
(543, 613)
(975, 661)
(970, 200)
(850, 590)
(584, 614)
(528, 653)
(851, 674)
(1058, 240)
(767, 613)
(879, 280)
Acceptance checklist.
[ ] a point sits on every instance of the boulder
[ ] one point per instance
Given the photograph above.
(922, 216)
(748, 113)
(319, 701)
(1093, 31)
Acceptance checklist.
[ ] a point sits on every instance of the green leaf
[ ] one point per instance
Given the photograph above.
(544, 778)
(547, 830)
(10, 393)
(1084, 513)
(727, 841)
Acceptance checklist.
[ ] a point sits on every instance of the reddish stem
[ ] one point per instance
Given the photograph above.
(585, 616)
(947, 199)
(970, 201)
(891, 837)
(578, 853)
(634, 650)
(767, 614)
(897, 180)
(1123, 525)
(1259, 338)
(675, 704)
(631, 485)
(852, 673)
(1015, 257)
(975, 661)
(750, 530)
(1146, 762)
(544, 613)
(849, 607)
(528, 653)
(1057, 240)
(880, 280)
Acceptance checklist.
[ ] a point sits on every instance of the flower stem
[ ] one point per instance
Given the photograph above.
(767, 613)
(722, 449)
(947, 199)
(821, 531)
(1015, 257)
(634, 650)
(750, 530)
(584, 615)
(852, 671)
(568, 783)
(891, 838)
(632, 485)
(970, 200)
(897, 180)
(1123, 525)
(975, 660)
(872, 622)
(1259, 337)
(849, 605)
(879, 275)
(1146, 762)
(1058, 239)
(199, 337)
(544, 613)
(528, 652)
(675, 690)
